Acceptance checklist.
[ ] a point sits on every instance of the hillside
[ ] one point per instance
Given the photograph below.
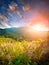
(23, 33)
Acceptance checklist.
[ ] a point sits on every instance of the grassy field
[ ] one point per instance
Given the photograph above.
(35, 52)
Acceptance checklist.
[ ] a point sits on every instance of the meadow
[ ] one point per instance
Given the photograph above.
(35, 52)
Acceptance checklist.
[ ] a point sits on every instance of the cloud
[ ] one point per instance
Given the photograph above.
(4, 22)
(10, 17)
(5, 25)
(26, 8)
(13, 7)
(3, 18)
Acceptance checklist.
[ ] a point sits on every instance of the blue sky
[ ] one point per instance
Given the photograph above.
(18, 13)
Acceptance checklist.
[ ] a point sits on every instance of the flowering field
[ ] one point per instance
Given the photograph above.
(35, 52)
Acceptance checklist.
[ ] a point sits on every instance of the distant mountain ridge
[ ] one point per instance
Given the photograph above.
(22, 33)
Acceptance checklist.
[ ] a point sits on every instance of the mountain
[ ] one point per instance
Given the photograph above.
(10, 32)
(23, 33)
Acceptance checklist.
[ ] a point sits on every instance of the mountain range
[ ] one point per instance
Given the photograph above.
(23, 33)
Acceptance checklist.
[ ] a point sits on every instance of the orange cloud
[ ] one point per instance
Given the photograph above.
(27, 8)
(13, 7)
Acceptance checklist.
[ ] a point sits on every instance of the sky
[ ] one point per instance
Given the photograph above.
(19, 13)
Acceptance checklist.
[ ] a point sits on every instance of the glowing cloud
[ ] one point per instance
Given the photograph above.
(26, 8)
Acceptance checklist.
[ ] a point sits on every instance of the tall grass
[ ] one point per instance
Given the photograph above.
(14, 52)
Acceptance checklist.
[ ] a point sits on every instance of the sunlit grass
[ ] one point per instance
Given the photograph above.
(25, 52)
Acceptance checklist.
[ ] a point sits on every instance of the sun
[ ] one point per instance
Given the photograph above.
(39, 27)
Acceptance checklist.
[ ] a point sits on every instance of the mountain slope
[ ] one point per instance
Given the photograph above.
(23, 33)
